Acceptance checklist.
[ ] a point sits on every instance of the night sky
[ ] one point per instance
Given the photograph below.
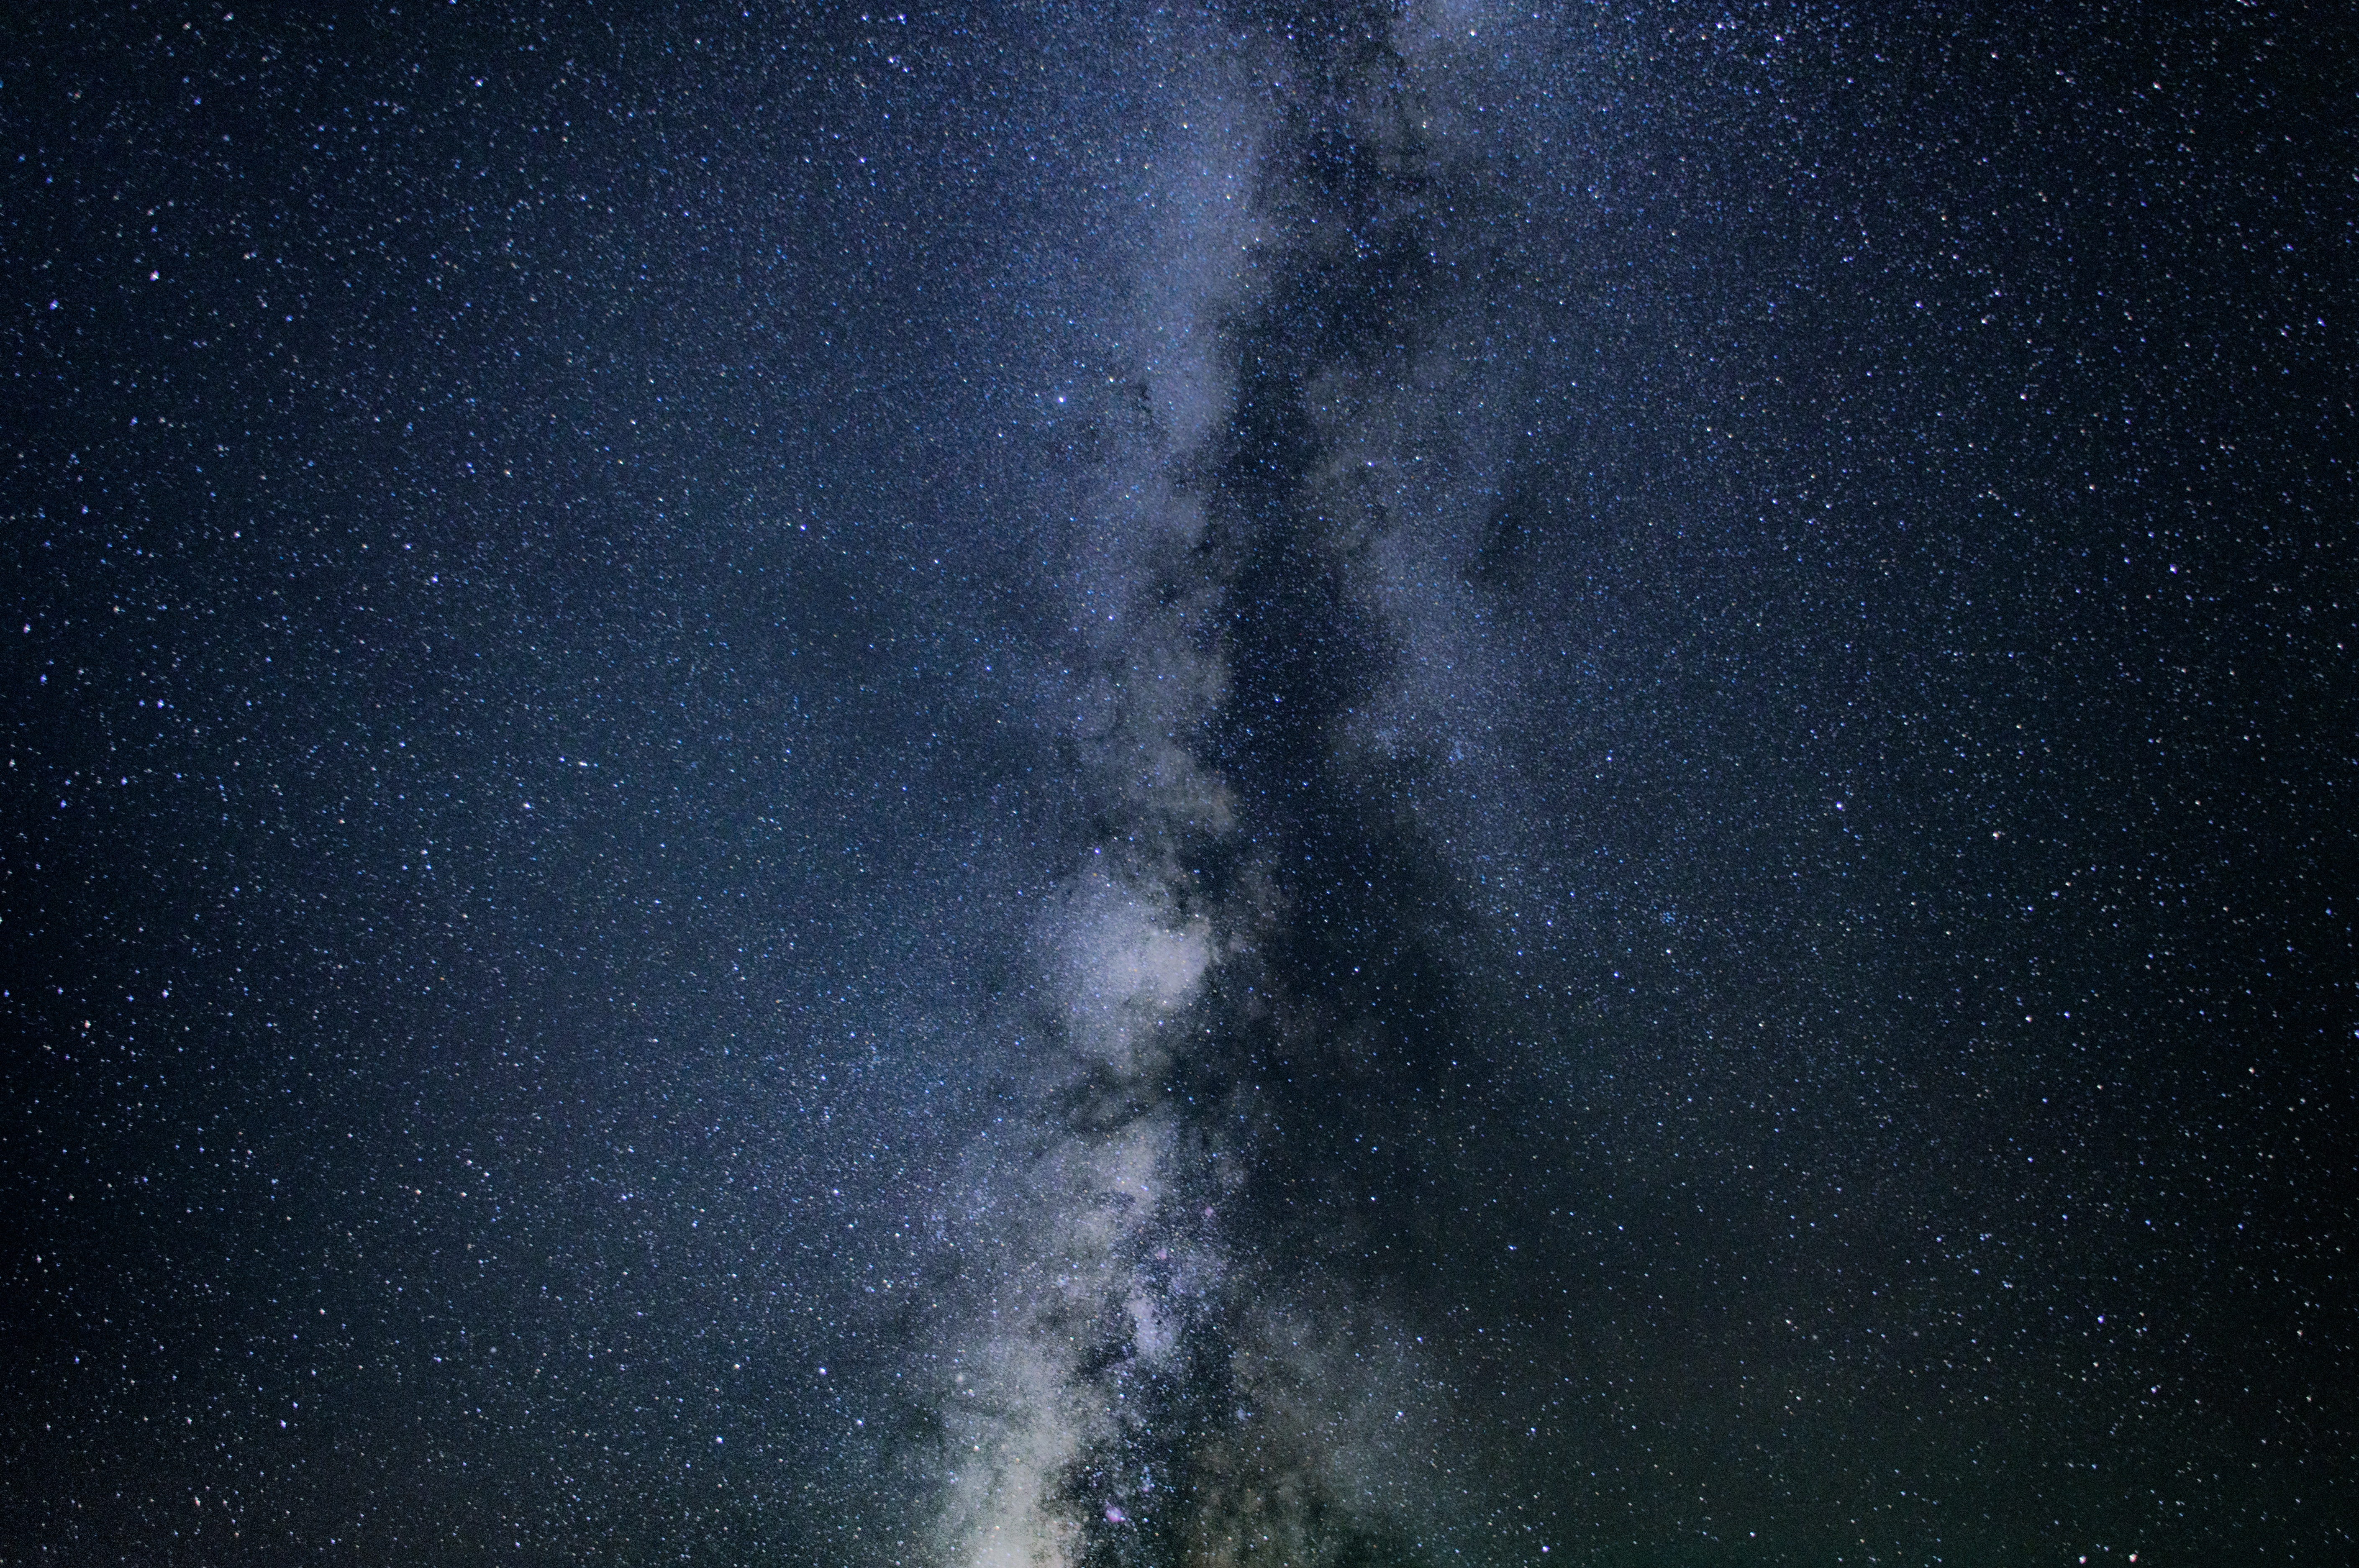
(1089, 786)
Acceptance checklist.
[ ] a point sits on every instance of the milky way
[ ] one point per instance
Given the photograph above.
(1237, 785)
(1155, 1299)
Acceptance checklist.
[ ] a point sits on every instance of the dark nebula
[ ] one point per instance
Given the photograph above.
(1391, 784)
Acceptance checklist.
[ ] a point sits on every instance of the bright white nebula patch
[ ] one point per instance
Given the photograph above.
(1127, 963)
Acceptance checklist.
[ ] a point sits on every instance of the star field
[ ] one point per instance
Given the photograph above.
(1221, 786)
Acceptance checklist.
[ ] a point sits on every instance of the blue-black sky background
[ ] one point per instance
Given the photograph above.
(1089, 785)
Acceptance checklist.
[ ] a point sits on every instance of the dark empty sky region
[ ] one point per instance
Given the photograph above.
(1158, 785)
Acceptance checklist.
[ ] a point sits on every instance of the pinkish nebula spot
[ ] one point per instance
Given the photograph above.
(1115, 1516)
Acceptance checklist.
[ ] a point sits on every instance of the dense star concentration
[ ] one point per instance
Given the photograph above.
(1379, 784)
